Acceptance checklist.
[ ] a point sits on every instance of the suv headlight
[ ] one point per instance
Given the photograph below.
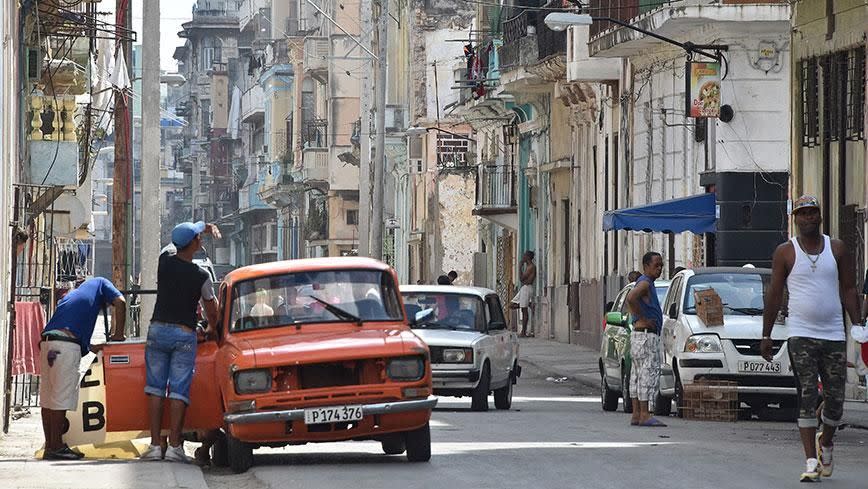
(406, 368)
(458, 355)
(703, 343)
(253, 381)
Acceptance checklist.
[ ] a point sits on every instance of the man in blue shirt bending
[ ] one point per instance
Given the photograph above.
(65, 340)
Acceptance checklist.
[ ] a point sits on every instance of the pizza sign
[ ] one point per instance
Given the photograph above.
(703, 89)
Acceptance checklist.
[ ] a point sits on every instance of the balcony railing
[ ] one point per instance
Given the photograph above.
(550, 43)
(314, 133)
(495, 186)
(252, 103)
(519, 40)
(52, 140)
(516, 27)
(617, 9)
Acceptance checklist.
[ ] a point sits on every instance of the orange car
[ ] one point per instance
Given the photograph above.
(313, 350)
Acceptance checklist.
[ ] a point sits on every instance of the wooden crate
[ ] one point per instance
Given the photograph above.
(711, 400)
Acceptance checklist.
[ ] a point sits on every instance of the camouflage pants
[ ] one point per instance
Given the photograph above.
(811, 358)
(645, 370)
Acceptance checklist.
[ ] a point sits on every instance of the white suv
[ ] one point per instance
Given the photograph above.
(694, 351)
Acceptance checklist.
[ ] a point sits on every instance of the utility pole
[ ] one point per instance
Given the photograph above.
(121, 186)
(151, 212)
(365, 188)
(377, 223)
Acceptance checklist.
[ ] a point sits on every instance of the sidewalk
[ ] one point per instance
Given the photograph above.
(20, 470)
(581, 364)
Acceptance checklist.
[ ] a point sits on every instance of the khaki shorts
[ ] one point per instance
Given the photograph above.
(58, 383)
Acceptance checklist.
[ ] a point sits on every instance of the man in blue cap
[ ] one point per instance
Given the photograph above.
(170, 354)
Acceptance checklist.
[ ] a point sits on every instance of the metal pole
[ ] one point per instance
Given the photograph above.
(150, 235)
(365, 188)
(380, 146)
(10, 344)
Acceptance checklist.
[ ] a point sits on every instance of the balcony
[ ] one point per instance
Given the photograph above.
(249, 10)
(314, 133)
(316, 54)
(52, 141)
(519, 41)
(496, 196)
(315, 164)
(680, 20)
(549, 42)
(253, 104)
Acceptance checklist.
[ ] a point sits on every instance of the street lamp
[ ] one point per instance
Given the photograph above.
(560, 21)
(420, 131)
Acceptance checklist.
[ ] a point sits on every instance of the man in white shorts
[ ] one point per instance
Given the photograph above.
(65, 339)
(524, 299)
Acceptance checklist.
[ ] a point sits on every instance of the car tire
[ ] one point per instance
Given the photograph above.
(220, 451)
(608, 396)
(503, 396)
(625, 390)
(662, 405)
(479, 395)
(240, 454)
(418, 444)
(393, 445)
(679, 397)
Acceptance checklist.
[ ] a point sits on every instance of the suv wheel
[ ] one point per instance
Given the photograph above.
(418, 444)
(625, 390)
(240, 454)
(608, 396)
(479, 395)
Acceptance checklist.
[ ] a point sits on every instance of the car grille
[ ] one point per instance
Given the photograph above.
(752, 347)
(329, 374)
(753, 380)
(436, 354)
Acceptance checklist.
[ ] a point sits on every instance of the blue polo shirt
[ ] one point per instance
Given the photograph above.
(80, 308)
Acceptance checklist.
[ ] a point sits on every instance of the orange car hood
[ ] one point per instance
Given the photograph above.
(318, 347)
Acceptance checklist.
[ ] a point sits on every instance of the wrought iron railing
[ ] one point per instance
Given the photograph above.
(550, 43)
(496, 186)
(315, 133)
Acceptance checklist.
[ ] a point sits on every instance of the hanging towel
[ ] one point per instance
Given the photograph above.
(29, 323)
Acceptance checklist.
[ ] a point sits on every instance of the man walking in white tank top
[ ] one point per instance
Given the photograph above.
(819, 275)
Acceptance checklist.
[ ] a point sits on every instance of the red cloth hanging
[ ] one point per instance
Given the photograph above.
(29, 323)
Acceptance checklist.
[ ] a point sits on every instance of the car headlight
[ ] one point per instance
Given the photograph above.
(458, 355)
(252, 381)
(406, 368)
(703, 343)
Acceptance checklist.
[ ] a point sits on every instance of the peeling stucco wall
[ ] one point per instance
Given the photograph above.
(458, 225)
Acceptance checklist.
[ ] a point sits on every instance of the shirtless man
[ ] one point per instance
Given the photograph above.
(523, 300)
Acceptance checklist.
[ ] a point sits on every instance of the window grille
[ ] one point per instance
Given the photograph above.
(855, 130)
(810, 110)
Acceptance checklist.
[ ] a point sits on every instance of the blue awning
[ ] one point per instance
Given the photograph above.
(695, 214)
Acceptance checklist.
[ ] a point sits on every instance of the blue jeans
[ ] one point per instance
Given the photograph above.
(170, 359)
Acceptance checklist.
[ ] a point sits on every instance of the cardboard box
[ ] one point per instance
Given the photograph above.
(709, 307)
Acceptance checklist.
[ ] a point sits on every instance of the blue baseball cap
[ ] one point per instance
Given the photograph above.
(186, 232)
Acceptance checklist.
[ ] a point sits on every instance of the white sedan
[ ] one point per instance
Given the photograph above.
(472, 351)
(695, 351)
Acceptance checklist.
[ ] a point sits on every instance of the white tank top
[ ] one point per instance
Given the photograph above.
(815, 309)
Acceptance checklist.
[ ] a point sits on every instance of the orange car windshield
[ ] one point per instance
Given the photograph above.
(314, 297)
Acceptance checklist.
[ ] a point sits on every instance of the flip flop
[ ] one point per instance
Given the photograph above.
(653, 423)
(634, 423)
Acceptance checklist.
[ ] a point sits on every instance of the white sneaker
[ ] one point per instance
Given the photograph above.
(154, 452)
(824, 455)
(811, 473)
(176, 454)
